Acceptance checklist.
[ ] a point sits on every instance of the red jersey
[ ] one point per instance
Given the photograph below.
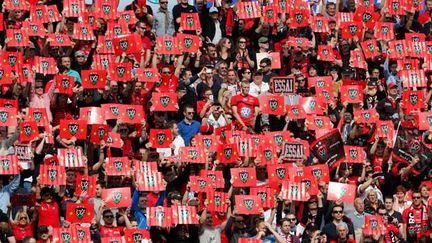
(49, 215)
(417, 221)
(20, 232)
(245, 107)
(168, 84)
(111, 231)
(391, 235)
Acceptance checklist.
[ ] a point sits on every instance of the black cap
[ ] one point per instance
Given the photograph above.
(181, 87)
(372, 82)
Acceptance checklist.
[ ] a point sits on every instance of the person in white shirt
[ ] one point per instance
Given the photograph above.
(258, 87)
(177, 143)
(215, 117)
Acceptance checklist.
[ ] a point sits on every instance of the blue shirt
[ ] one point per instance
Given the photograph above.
(74, 74)
(187, 131)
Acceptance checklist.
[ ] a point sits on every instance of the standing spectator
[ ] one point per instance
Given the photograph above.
(188, 127)
(182, 7)
(331, 229)
(213, 30)
(245, 108)
(416, 219)
(163, 24)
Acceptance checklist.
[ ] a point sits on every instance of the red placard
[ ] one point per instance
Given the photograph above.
(273, 56)
(248, 10)
(167, 45)
(366, 116)
(117, 197)
(121, 71)
(79, 212)
(278, 173)
(413, 78)
(216, 201)
(294, 191)
(188, 43)
(103, 62)
(8, 103)
(132, 114)
(227, 153)
(62, 234)
(319, 24)
(351, 30)
(28, 131)
(270, 14)
(193, 155)
(368, 16)
(13, 60)
(17, 38)
(354, 154)
(8, 117)
(164, 101)
(73, 128)
(73, 8)
(148, 75)
(272, 105)
(5, 75)
(128, 17)
(373, 225)
(342, 18)
(118, 166)
(351, 94)
(184, 215)
(267, 195)
(320, 172)
(9, 165)
(93, 79)
(370, 49)
(311, 184)
(215, 176)
(65, 84)
(111, 111)
(136, 235)
(128, 44)
(105, 45)
(243, 177)
(59, 40)
(160, 138)
(267, 154)
(357, 59)
(424, 120)
(190, 21)
(99, 133)
(71, 157)
(384, 31)
(341, 191)
(325, 53)
(396, 7)
(92, 114)
(85, 184)
(159, 216)
(53, 13)
(315, 123)
(299, 17)
(151, 181)
(295, 149)
(248, 204)
(413, 100)
(114, 140)
(81, 233)
(107, 9)
(45, 65)
(200, 184)
(397, 49)
(16, 5)
(52, 175)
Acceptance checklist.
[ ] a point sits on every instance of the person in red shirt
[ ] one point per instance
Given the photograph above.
(21, 226)
(48, 209)
(245, 108)
(416, 219)
(109, 227)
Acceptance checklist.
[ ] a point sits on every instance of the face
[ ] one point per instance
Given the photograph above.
(416, 199)
(65, 61)
(140, 29)
(265, 68)
(331, 9)
(22, 219)
(187, 75)
(240, 223)
(189, 113)
(292, 220)
(393, 91)
(312, 72)
(261, 227)
(231, 76)
(342, 232)
(80, 58)
(108, 218)
(142, 202)
(211, 51)
(114, 87)
(166, 71)
(98, 190)
(242, 43)
(209, 220)
(223, 70)
(245, 88)
(163, 4)
(424, 192)
(337, 213)
(400, 195)
(393, 68)
(214, 15)
(388, 203)
(286, 227)
(138, 87)
(359, 205)
(39, 88)
(70, 177)
(372, 196)
(175, 130)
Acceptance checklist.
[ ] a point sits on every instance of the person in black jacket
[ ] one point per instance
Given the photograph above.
(182, 7)
(389, 108)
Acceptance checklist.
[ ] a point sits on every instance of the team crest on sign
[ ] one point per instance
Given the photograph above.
(228, 153)
(94, 77)
(84, 185)
(217, 200)
(124, 45)
(190, 21)
(248, 203)
(52, 174)
(44, 65)
(65, 83)
(116, 197)
(280, 172)
(118, 165)
(114, 110)
(168, 45)
(6, 164)
(268, 154)
(244, 176)
(27, 131)
(80, 212)
(131, 113)
(317, 173)
(120, 71)
(164, 100)
(137, 237)
(413, 99)
(248, 9)
(4, 116)
(273, 104)
(161, 138)
(353, 93)
(101, 132)
(202, 183)
(353, 153)
(81, 234)
(188, 42)
(66, 237)
(270, 13)
(353, 29)
(73, 129)
(106, 9)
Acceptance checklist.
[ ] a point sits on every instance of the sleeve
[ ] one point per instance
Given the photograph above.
(234, 100)
(228, 228)
(13, 185)
(135, 198)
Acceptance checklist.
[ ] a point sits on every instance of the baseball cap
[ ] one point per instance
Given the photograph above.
(213, 10)
(263, 40)
(181, 87)
(79, 53)
(391, 85)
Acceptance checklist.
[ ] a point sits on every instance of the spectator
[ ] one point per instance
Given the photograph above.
(188, 127)
(163, 20)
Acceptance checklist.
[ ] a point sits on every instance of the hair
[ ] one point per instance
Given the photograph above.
(171, 124)
(107, 211)
(27, 239)
(138, 23)
(266, 61)
(220, 44)
(283, 220)
(381, 207)
(188, 106)
(389, 197)
(415, 191)
(342, 224)
(336, 205)
(401, 188)
(18, 216)
(217, 67)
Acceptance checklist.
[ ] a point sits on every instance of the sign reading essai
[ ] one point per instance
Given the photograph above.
(295, 150)
(282, 85)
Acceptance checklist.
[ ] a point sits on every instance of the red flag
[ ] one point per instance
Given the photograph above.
(325, 53)
(243, 177)
(209, 142)
(99, 133)
(132, 114)
(65, 84)
(188, 43)
(148, 75)
(114, 140)
(319, 24)
(5, 75)
(117, 166)
(93, 79)
(160, 138)
(277, 173)
(117, 29)
(295, 112)
(384, 31)
(248, 204)
(408, 64)
(248, 10)
(92, 114)
(245, 146)
(299, 17)
(121, 71)
(354, 154)
(385, 129)
(117, 197)
(128, 44)
(351, 94)
(128, 17)
(216, 177)
(374, 225)
(164, 101)
(190, 21)
(52, 175)
(136, 235)
(105, 45)
(81, 234)
(103, 62)
(167, 45)
(59, 40)
(294, 191)
(370, 49)
(28, 131)
(73, 8)
(86, 184)
(413, 78)
(227, 153)
(193, 155)
(320, 172)
(267, 195)
(71, 157)
(368, 16)
(352, 29)
(425, 120)
(73, 128)
(310, 182)
(111, 111)
(159, 216)
(357, 59)
(270, 14)
(184, 215)
(45, 65)
(200, 184)
(151, 181)
(79, 212)
(413, 100)
(267, 153)
(8, 117)
(216, 201)
(366, 116)
(341, 191)
(8, 103)
(17, 38)
(342, 18)
(9, 165)
(272, 105)
(13, 60)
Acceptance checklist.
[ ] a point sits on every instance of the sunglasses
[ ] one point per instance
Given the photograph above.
(166, 72)
(23, 218)
(190, 113)
(416, 197)
(338, 212)
(109, 216)
(292, 219)
(38, 87)
(242, 42)
(80, 56)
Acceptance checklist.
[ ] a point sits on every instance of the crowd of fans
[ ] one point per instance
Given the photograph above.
(214, 122)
